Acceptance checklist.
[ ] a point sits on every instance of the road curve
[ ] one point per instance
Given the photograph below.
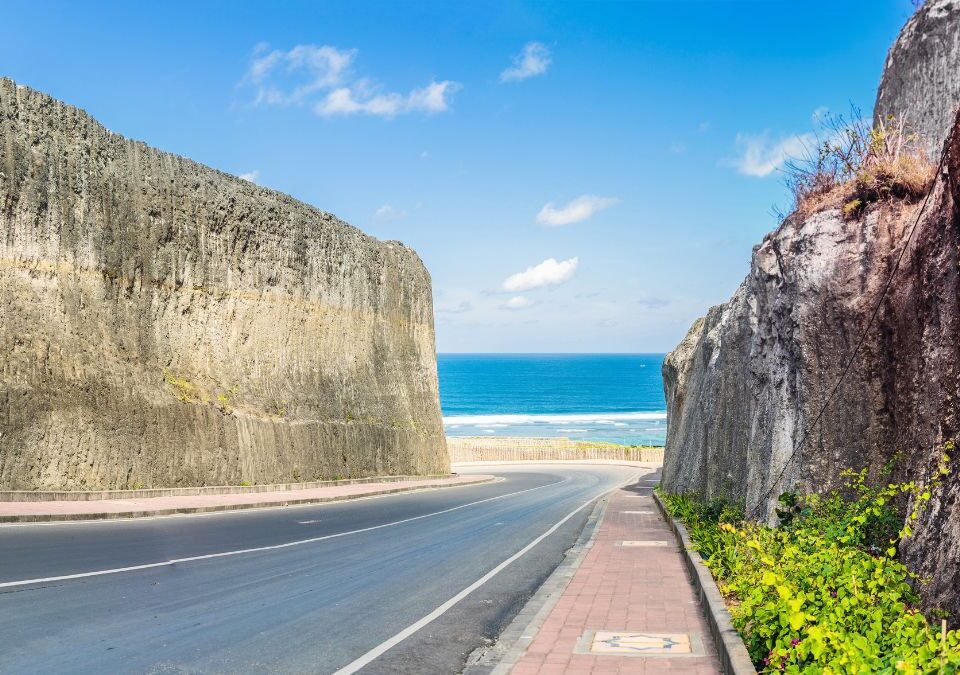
(321, 588)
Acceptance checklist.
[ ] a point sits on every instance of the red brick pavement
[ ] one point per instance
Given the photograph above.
(623, 589)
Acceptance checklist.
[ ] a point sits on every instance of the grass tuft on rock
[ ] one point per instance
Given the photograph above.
(854, 164)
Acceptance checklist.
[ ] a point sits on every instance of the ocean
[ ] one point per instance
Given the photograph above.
(617, 398)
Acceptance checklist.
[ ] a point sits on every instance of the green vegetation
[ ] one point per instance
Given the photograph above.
(184, 389)
(225, 399)
(824, 593)
(277, 408)
(857, 165)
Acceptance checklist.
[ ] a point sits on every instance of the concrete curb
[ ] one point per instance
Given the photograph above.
(499, 658)
(122, 515)
(734, 659)
(604, 462)
(513, 641)
(147, 493)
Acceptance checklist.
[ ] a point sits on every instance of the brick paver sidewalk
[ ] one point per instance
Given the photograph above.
(632, 598)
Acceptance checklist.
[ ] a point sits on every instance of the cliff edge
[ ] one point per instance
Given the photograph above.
(166, 324)
(752, 375)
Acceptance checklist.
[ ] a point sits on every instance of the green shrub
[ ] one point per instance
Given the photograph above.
(858, 164)
(824, 592)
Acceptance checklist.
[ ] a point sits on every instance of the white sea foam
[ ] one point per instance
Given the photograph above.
(568, 418)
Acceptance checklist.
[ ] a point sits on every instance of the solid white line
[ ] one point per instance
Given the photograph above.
(384, 646)
(274, 547)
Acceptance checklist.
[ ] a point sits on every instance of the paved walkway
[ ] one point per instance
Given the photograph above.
(629, 608)
(151, 506)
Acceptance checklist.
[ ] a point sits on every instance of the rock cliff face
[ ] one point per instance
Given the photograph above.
(167, 324)
(752, 375)
(921, 78)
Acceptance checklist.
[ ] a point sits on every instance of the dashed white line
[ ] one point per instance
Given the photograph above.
(274, 547)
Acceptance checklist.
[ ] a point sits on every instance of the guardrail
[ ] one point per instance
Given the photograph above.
(505, 449)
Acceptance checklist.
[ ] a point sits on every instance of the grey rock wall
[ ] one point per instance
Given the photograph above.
(745, 387)
(921, 78)
(166, 324)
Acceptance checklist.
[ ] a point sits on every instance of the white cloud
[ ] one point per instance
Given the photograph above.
(581, 208)
(532, 61)
(289, 77)
(759, 156)
(322, 77)
(359, 99)
(458, 307)
(389, 212)
(517, 302)
(252, 176)
(547, 273)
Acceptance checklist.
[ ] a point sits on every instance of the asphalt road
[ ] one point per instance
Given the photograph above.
(337, 588)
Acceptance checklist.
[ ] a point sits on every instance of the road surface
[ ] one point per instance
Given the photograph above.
(407, 583)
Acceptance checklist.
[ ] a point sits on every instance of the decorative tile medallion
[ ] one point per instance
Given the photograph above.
(646, 542)
(640, 644)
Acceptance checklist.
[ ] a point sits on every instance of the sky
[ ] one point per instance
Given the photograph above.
(577, 176)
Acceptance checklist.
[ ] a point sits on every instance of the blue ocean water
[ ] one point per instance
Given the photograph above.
(616, 398)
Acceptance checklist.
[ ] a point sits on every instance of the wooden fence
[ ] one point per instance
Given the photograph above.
(503, 449)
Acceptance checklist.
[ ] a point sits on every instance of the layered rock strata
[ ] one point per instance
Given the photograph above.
(166, 324)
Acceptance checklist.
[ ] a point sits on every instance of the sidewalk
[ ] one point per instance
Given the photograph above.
(629, 607)
(101, 509)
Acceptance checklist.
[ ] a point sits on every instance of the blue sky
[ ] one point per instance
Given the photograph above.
(578, 177)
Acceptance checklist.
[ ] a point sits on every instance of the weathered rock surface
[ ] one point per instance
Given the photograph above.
(763, 363)
(921, 78)
(167, 324)
(750, 378)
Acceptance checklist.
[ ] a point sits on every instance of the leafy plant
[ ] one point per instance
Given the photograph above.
(824, 592)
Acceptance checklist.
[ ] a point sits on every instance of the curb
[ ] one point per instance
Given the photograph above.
(123, 515)
(500, 657)
(573, 462)
(734, 659)
(147, 493)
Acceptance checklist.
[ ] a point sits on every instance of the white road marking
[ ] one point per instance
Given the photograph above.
(308, 522)
(274, 547)
(386, 645)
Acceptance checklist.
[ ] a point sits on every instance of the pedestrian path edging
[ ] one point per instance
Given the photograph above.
(500, 657)
(148, 493)
(216, 508)
(734, 658)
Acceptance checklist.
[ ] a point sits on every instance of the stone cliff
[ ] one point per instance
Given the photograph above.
(166, 324)
(921, 78)
(751, 376)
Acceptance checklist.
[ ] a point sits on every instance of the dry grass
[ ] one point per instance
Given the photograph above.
(858, 165)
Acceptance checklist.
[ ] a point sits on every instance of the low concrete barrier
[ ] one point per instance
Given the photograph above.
(97, 495)
(506, 449)
(734, 659)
